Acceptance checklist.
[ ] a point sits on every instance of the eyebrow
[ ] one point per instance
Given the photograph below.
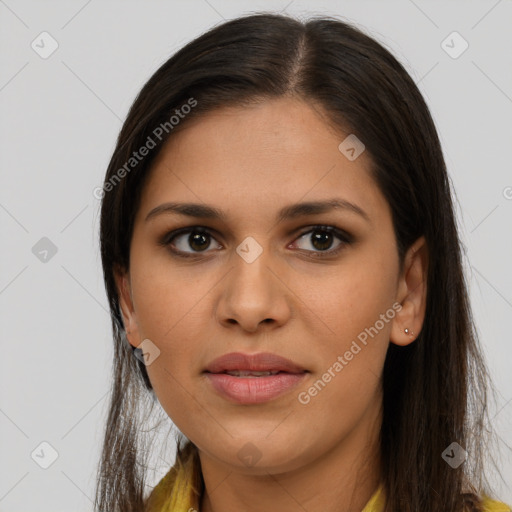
(203, 211)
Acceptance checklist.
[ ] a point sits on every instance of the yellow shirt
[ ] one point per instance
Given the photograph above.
(174, 493)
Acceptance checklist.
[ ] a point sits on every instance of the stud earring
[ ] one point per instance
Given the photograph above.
(406, 330)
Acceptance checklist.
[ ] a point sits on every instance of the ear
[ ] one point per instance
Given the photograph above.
(412, 295)
(122, 279)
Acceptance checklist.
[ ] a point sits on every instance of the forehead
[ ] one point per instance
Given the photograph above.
(256, 159)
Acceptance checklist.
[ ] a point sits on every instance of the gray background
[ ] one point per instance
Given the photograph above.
(60, 117)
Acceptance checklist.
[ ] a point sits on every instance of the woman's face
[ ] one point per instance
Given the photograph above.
(253, 283)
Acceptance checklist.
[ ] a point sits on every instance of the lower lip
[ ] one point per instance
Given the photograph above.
(254, 390)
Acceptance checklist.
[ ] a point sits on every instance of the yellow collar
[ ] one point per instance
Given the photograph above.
(376, 503)
(175, 493)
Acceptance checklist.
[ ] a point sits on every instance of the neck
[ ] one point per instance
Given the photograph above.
(343, 478)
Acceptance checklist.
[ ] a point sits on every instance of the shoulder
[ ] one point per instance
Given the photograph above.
(490, 505)
(377, 503)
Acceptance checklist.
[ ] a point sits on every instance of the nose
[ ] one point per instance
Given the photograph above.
(253, 295)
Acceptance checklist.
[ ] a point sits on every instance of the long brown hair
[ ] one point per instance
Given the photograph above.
(436, 389)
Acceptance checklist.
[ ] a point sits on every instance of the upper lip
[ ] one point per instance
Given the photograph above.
(264, 361)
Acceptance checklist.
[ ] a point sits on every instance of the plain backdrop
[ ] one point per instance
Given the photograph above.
(60, 116)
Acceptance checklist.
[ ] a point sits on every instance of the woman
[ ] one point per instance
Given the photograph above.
(280, 254)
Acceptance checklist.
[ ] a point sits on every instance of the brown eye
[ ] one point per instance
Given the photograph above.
(320, 240)
(181, 241)
(198, 241)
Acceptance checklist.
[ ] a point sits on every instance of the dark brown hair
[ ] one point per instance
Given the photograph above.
(436, 389)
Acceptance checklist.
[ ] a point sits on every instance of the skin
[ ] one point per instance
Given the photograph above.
(250, 162)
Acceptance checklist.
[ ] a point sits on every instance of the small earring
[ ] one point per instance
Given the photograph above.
(406, 330)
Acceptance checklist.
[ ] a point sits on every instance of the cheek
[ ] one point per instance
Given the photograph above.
(170, 311)
(351, 340)
(175, 322)
(168, 299)
(342, 303)
(351, 356)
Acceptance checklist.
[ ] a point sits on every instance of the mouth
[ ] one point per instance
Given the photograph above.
(253, 379)
(253, 364)
(249, 373)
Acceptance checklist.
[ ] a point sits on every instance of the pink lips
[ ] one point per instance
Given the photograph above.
(252, 379)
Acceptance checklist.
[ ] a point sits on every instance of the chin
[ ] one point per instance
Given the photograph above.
(263, 454)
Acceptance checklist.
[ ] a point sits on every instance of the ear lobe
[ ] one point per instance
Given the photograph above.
(123, 285)
(412, 295)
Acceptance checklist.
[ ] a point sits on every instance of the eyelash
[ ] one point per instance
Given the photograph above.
(345, 238)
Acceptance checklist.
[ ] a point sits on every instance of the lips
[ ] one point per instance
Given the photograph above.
(262, 362)
(253, 378)
(249, 373)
